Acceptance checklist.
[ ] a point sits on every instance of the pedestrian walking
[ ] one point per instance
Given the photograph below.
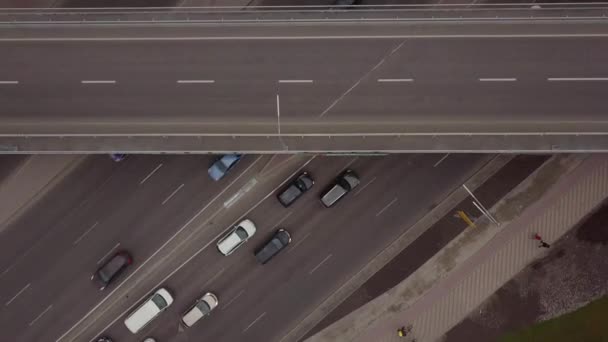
(537, 237)
(401, 332)
(543, 244)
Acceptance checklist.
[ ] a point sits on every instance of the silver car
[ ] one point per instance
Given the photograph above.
(200, 309)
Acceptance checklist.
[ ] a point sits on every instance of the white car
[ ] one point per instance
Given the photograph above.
(149, 310)
(236, 237)
(200, 309)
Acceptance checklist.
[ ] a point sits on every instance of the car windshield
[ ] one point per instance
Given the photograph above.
(241, 233)
(277, 243)
(160, 302)
(204, 307)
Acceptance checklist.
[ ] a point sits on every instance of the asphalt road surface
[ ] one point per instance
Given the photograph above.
(302, 81)
(262, 303)
(142, 204)
(49, 254)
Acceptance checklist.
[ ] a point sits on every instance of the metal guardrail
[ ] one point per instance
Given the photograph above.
(227, 9)
(547, 11)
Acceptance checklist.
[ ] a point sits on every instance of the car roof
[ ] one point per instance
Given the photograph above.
(229, 242)
(229, 159)
(249, 226)
(116, 263)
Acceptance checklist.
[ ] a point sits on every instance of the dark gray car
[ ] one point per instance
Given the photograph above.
(277, 243)
(112, 268)
(295, 189)
(343, 184)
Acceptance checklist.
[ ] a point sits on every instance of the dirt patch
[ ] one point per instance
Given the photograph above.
(573, 273)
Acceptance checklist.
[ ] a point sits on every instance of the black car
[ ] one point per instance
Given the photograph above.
(295, 189)
(277, 243)
(111, 269)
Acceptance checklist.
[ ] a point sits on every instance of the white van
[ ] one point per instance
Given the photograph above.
(149, 310)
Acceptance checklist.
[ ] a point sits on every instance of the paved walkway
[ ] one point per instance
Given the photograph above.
(473, 266)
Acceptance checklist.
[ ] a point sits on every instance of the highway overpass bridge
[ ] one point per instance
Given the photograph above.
(487, 78)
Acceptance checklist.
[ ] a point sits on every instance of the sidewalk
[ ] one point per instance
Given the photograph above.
(457, 279)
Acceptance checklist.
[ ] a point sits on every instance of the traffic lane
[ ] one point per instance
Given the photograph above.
(471, 58)
(81, 225)
(125, 226)
(240, 285)
(41, 243)
(59, 203)
(9, 163)
(128, 102)
(338, 257)
(474, 103)
(227, 61)
(211, 271)
(86, 236)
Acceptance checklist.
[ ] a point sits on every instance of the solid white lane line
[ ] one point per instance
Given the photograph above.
(105, 256)
(17, 295)
(440, 160)
(386, 207)
(85, 233)
(283, 219)
(9, 82)
(365, 186)
(233, 299)
(395, 80)
(173, 194)
(150, 174)
(319, 265)
(295, 81)
(255, 321)
(298, 243)
(195, 81)
(558, 79)
(498, 79)
(98, 81)
(41, 314)
(212, 278)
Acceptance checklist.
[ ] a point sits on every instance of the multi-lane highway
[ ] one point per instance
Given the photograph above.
(281, 86)
(168, 214)
(49, 254)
